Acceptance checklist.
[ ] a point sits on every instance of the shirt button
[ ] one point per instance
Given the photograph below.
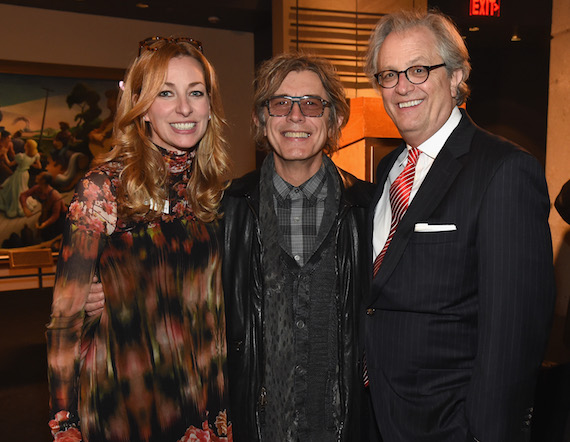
(296, 219)
(299, 369)
(297, 258)
(300, 324)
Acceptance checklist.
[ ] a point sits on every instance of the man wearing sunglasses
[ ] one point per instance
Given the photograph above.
(295, 266)
(462, 295)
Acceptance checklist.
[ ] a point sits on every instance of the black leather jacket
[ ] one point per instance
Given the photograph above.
(562, 202)
(243, 287)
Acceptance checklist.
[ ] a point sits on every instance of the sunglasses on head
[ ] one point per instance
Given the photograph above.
(151, 43)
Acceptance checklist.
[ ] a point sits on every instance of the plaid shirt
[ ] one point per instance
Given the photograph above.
(300, 212)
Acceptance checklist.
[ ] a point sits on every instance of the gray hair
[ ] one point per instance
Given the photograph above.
(450, 44)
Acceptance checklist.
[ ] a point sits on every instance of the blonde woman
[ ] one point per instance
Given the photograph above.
(152, 367)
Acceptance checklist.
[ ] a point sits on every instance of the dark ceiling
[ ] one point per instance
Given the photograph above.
(235, 15)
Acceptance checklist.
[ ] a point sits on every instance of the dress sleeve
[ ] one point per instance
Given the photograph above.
(91, 218)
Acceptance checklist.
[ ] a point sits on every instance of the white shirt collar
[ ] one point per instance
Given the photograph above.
(434, 144)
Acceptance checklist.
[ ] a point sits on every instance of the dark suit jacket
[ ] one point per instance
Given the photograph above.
(461, 318)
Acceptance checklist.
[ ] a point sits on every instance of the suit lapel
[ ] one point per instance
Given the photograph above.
(434, 188)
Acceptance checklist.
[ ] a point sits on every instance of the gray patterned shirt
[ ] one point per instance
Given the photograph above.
(300, 212)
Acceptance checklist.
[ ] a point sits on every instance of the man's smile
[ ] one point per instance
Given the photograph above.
(296, 134)
(409, 103)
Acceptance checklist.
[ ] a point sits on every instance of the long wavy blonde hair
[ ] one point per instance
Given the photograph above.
(144, 174)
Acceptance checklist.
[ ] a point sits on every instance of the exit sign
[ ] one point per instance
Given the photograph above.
(490, 8)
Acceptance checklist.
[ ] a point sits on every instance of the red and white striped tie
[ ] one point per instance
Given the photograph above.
(400, 191)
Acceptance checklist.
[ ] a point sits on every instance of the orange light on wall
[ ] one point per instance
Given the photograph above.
(490, 8)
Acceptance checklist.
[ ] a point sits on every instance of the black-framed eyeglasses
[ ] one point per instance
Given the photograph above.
(415, 75)
(310, 105)
(150, 44)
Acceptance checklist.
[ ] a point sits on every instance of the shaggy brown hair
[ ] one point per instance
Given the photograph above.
(271, 74)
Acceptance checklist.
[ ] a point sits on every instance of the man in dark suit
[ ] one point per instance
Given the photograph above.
(463, 291)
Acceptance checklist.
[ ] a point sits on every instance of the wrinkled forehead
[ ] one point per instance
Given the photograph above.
(404, 48)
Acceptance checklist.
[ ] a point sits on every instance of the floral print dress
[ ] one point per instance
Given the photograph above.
(152, 366)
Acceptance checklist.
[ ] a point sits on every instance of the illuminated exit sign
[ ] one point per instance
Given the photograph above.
(490, 8)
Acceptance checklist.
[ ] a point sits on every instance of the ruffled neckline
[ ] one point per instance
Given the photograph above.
(177, 162)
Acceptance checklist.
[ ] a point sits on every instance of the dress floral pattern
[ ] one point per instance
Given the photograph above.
(152, 367)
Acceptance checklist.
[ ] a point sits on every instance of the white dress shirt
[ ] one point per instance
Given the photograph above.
(428, 151)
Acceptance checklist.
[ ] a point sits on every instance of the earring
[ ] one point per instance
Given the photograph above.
(209, 117)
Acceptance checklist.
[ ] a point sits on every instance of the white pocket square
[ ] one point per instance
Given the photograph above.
(425, 227)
